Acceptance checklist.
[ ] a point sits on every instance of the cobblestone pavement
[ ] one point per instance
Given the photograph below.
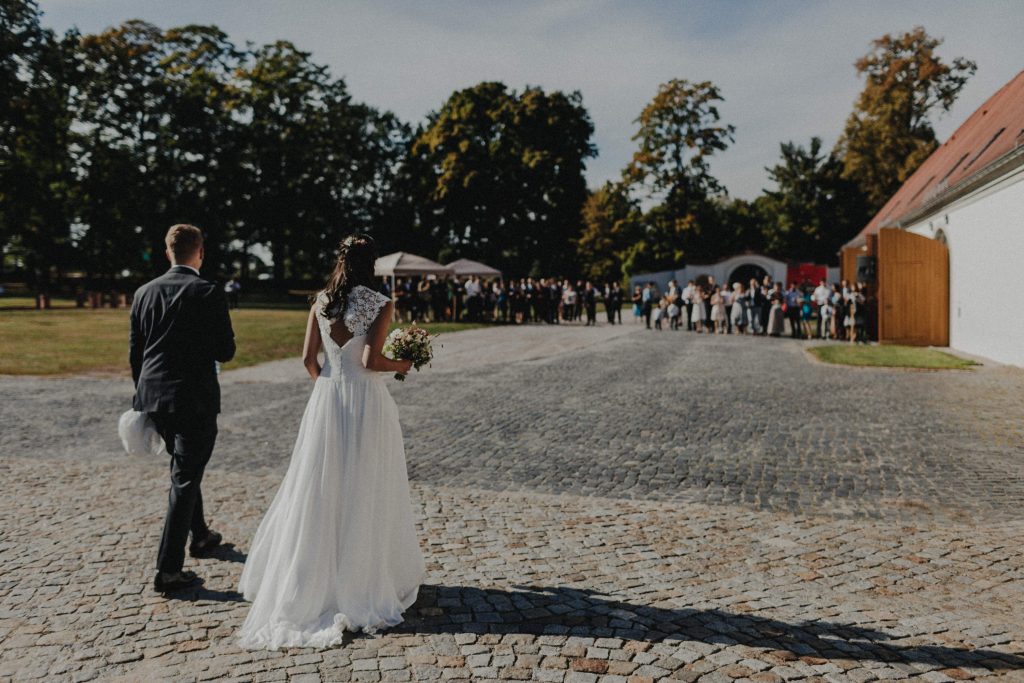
(668, 416)
(650, 507)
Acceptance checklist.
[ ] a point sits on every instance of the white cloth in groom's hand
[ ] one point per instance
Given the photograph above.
(139, 436)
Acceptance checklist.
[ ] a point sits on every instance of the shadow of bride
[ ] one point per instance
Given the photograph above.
(559, 610)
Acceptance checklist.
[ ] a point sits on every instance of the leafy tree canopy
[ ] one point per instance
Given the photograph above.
(502, 176)
(813, 210)
(889, 133)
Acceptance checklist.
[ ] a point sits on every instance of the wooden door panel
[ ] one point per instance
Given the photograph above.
(913, 289)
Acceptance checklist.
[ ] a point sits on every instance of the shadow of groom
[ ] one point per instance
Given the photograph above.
(580, 612)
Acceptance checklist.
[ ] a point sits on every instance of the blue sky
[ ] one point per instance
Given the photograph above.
(785, 68)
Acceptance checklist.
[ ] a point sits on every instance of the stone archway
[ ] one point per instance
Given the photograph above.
(745, 272)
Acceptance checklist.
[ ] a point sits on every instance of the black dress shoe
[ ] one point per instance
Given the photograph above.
(167, 583)
(203, 546)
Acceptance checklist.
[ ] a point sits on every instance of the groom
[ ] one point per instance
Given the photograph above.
(179, 327)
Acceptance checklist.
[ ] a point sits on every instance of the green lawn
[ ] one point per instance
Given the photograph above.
(889, 356)
(27, 303)
(73, 341)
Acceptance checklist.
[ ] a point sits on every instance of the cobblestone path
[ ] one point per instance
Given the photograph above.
(651, 507)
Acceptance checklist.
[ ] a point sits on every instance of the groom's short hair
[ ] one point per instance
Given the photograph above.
(184, 240)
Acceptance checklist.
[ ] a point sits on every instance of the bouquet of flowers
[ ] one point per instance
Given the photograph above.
(409, 343)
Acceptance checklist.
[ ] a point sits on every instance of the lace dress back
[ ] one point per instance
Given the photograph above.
(363, 307)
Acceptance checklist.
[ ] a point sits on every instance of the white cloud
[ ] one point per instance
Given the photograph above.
(785, 68)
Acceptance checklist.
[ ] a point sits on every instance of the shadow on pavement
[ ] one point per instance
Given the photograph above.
(580, 612)
(226, 552)
(201, 593)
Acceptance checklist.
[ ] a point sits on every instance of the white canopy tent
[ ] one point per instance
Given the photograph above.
(404, 264)
(464, 267)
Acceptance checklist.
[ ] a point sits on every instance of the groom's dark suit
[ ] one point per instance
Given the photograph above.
(179, 327)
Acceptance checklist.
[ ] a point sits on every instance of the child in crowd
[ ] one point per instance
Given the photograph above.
(806, 313)
(658, 313)
(673, 314)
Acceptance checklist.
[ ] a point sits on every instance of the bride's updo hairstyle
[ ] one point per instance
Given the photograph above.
(356, 256)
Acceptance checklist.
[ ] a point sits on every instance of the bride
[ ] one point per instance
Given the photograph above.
(337, 549)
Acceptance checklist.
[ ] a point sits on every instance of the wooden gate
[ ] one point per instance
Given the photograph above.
(913, 289)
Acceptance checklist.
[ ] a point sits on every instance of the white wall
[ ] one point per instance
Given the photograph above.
(985, 234)
(720, 271)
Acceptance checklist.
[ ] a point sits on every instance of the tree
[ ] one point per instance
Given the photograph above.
(611, 226)
(124, 156)
(503, 176)
(318, 165)
(813, 209)
(123, 133)
(680, 129)
(739, 226)
(37, 75)
(159, 144)
(889, 133)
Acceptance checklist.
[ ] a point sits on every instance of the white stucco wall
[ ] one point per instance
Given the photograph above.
(720, 271)
(985, 234)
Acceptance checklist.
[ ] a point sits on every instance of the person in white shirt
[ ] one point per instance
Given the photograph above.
(820, 296)
(473, 298)
(825, 312)
(688, 303)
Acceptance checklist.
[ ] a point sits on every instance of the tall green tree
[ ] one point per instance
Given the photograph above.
(739, 226)
(160, 143)
(37, 183)
(611, 227)
(504, 176)
(813, 209)
(122, 111)
(679, 131)
(318, 165)
(889, 133)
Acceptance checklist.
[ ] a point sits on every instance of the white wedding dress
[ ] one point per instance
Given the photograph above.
(337, 549)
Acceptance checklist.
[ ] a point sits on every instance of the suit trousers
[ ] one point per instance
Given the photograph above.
(189, 439)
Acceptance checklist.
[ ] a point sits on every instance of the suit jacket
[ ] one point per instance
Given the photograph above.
(179, 327)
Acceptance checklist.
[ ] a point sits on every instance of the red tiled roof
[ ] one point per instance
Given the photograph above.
(995, 129)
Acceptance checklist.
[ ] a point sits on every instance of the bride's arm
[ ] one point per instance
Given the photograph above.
(373, 358)
(311, 347)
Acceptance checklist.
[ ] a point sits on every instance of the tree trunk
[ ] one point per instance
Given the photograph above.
(277, 251)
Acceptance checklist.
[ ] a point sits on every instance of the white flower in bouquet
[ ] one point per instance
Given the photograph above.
(409, 343)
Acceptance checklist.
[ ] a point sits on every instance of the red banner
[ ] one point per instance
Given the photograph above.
(806, 273)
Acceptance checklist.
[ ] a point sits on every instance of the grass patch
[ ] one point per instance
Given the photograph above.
(75, 341)
(29, 303)
(889, 356)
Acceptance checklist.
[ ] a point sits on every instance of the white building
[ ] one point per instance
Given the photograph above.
(740, 268)
(969, 195)
(734, 269)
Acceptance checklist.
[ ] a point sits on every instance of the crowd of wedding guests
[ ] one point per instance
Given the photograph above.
(837, 311)
(476, 299)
